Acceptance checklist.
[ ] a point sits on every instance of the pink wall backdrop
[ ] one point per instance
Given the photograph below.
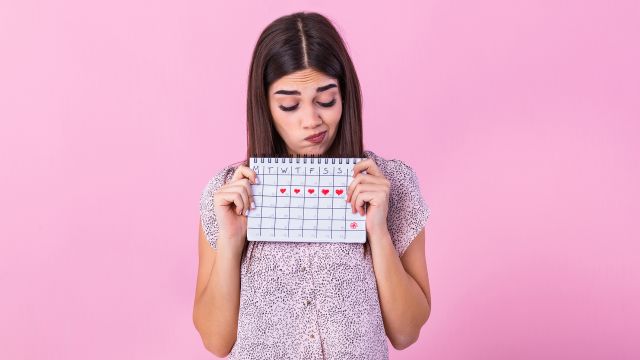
(520, 117)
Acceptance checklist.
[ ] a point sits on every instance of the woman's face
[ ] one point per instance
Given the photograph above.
(303, 104)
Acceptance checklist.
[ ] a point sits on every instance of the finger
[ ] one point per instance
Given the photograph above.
(242, 190)
(363, 198)
(246, 184)
(226, 198)
(352, 186)
(244, 172)
(363, 178)
(361, 188)
(367, 165)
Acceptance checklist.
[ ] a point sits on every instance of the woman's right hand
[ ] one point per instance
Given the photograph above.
(232, 202)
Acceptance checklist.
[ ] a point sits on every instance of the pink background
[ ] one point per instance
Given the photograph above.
(520, 117)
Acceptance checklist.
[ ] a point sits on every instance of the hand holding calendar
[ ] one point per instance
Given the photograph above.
(232, 201)
(370, 186)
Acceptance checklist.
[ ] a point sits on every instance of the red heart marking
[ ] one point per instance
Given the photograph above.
(325, 191)
(310, 191)
(339, 191)
(282, 190)
(296, 190)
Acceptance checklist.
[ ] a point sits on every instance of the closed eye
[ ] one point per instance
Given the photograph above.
(329, 104)
(291, 108)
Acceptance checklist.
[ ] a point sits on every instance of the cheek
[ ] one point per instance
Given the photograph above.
(332, 115)
(279, 118)
(283, 124)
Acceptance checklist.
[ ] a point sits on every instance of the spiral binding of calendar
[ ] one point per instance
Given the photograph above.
(306, 159)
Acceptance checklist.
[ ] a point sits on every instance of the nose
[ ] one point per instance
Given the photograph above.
(311, 119)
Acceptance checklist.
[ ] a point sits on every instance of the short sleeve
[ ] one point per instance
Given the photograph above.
(408, 211)
(207, 214)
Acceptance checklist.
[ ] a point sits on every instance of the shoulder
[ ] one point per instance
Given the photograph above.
(395, 170)
(408, 210)
(221, 176)
(216, 181)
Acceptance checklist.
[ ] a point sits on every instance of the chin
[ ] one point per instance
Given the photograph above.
(315, 150)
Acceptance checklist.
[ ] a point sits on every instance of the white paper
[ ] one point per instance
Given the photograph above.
(303, 200)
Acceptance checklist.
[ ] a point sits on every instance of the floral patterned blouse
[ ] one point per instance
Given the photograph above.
(301, 300)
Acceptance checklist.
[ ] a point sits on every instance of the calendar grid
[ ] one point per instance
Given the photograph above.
(261, 201)
(289, 210)
(318, 203)
(275, 209)
(310, 206)
(346, 186)
(304, 199)
(333, 181)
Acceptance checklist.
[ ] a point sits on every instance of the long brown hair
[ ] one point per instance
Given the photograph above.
(294, 42)
(302, 40)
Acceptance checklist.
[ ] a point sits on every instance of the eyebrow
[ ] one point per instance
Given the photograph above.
(296, 92)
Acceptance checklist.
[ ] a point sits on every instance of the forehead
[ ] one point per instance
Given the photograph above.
(303, 80)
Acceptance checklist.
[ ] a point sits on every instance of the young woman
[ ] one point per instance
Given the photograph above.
(296, 300)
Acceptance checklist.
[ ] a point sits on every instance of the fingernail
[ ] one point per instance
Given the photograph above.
(246, 212)
(253, 205)
(257, 181)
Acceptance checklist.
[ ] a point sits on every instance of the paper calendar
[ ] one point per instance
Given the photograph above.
(302, 199)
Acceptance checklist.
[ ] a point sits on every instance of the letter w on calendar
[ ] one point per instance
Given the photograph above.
(303, 200)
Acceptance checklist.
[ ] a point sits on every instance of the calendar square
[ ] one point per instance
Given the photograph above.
(325, 214)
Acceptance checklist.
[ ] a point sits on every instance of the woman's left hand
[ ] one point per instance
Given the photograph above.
(373, 188)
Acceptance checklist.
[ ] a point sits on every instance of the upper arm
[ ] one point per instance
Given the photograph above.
(208, 228)
(415, 263)
(208, 222)
(408, 211)
(206, 259)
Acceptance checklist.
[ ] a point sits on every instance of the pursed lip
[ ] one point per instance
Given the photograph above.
(315, 135)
